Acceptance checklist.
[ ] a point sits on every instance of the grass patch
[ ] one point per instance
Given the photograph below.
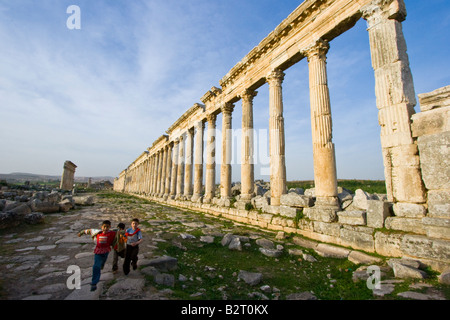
(370, 186)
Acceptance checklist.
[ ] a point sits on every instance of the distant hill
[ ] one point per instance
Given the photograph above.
(32, 177)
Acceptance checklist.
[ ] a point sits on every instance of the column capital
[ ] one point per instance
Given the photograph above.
(379, 10)
(275, 77)
(319, 48)
(247, 95)
(211, 118)
(227, 108)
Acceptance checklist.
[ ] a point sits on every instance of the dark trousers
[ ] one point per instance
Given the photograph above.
(131, 257)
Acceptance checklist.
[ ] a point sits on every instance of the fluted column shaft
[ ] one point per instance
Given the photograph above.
(188, 164)
(174, 174)
(325, 177)
(198, 165)
(394, 90)
(168, 170)
(247, 151)
(210, 178)
(276, 137)
(163, 172)
(227, 134)
(180, 178)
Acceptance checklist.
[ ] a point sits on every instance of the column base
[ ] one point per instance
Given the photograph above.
(328, 202)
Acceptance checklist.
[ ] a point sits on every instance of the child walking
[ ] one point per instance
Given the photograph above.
(134, 238)
(104, 239)
(119, 245)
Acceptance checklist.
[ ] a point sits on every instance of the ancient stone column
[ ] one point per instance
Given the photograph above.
(276, 137)
(180, 173)
(227, 135)
(158, 173)
(168, 171)
(163, 172)
(174, 174)
(67, 178)
(394, 90)
(210, 178)
(198, 166)
(247, 162)
(152, 174)
(188, 164)
(325, 178)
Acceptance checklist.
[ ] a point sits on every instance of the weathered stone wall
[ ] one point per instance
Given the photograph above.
(411, 220)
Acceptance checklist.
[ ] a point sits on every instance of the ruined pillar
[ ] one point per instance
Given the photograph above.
(276, 137)
(227, 135)
(174, 174)
(67, 178)
(247, 162)
(163, 171)
(198, 166)
(395, 95)
(210, 178)
(180, 173)
(188, 164)
(152, 174)
(168, 171)
(325, 177)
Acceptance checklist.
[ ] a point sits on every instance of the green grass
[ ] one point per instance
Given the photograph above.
(370, 186)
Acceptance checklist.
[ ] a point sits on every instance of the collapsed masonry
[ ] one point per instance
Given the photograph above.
(414, 146)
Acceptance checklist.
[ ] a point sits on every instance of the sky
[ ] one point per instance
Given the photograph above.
(101, 94)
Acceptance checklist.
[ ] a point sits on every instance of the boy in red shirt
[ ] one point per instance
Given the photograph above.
(104, 239)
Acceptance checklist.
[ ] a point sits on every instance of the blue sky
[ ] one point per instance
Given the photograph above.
(99, 96)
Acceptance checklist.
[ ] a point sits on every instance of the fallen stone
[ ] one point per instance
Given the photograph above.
(273, 253)
(358, 257)
(301, 296)
(164, 263)
(402, 271)
(420, 296)
(267, 244)
(235, 244)
(165, 279)
(444, 278)
(251, 278)
(329, 251)
(83, 200)
(126, 289)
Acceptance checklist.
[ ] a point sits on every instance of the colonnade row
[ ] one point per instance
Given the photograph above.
(167, 170)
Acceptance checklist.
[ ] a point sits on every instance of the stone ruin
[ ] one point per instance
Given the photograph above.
(68, 176)
(412, 220)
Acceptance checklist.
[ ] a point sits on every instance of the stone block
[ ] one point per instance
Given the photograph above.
(430, 122)
(435, 99)
(405, 224)
(388, 244)
(409, 210)
(355, 217)
(321, 214)
(289, 212)
(358, 238)
(424, 247)
(305, 243)
(435, 160)
(293, 199)
(377, 212)
(360, 199)
(437, 227)
(439, 203)
(330, 229)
